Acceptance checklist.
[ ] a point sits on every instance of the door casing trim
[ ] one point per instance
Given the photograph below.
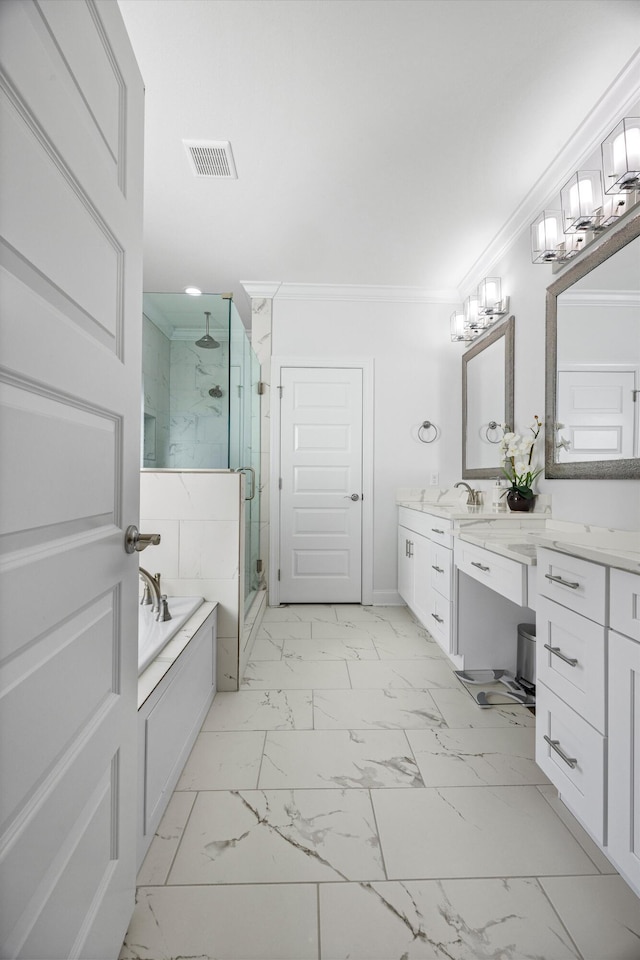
(366, 365)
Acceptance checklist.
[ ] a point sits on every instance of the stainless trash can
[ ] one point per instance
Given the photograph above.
(526, 655)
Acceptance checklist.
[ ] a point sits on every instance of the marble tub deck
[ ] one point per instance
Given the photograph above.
(351, 802)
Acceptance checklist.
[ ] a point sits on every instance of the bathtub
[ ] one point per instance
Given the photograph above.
(153, 635)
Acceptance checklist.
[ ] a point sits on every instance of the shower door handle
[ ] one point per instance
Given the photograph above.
(253, 480)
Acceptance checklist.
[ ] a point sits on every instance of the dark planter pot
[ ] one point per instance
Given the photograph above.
(516, 501)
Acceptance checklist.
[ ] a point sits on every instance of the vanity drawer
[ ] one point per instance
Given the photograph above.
(507, 577)
(435, 528)
(439, 621)
(571, 659)
(624, 603)
(574, 761)
(573, 582)
(440, 561)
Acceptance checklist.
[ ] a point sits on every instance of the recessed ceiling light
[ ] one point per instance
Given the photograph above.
(193, 291)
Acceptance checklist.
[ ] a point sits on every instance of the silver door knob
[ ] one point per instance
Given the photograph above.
(134, 541)
(353, 496)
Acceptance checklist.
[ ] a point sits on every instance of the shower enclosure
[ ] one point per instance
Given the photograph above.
(200, 401)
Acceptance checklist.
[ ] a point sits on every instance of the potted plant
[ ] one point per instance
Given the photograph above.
(517, 454)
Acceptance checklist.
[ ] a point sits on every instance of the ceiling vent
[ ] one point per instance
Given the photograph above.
(211, 158)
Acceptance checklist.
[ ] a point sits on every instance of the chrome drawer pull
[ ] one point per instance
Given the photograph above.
(556, 651)
(433, 529)
(436, 617)
(437, 569)
(480, 566)
(555, 745)
(565, 583)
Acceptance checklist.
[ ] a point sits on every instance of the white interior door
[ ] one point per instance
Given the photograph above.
(70, 330)
(321, 485)
(597, 411)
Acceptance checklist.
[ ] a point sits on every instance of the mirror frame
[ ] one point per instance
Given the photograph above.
(506, 330)
(622, 469)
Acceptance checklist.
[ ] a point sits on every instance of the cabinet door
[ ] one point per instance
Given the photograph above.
(421, 579)
(405, 565)
(624, 756)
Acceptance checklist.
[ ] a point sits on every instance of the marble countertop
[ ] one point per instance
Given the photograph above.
(614, 548)
(518, 535)
(515, 545)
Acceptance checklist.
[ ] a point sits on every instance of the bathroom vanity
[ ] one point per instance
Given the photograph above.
(584, 585)
(588, 690)
(468, 576)
(174, 695)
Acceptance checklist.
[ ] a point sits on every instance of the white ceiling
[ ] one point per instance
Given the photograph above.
(381, 142)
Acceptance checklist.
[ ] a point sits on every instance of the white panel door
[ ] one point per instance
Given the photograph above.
(321, 485)
(70, 330)
(597, 411)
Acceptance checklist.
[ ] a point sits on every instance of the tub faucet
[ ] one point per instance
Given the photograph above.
(151, 589)
(473, 496)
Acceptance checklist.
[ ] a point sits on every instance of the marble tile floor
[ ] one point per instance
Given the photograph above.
(351, 802)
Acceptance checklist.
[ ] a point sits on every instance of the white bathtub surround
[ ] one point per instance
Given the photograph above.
(380, 823)
(155, 671)
(199, 515)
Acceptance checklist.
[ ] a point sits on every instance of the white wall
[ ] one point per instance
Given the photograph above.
(417, 377)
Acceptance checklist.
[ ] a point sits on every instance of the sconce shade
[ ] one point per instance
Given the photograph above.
(470, 310)
(547, 237)
(621, 157)
(581, 201)
(489, 294)
(458, 328)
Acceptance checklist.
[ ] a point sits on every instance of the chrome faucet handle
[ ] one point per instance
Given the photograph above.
(163, 609)
(147, 599)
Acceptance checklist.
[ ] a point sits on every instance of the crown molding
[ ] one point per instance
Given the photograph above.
(349, 292)
(260, 289)
(617, 102)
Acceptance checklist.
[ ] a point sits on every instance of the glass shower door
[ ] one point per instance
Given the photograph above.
(244, 441)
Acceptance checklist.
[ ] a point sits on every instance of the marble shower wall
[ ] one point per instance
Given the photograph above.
(198, 424)
(155, 385)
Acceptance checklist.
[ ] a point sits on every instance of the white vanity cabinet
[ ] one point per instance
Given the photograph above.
(425, 562)
(588, 698)
(624, 725)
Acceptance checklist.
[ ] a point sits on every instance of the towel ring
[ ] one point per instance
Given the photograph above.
(492, 425)
(427, 425)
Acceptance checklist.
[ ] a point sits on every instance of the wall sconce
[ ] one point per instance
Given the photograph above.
(547, 237)
(581, 201)
(491, 305)
(621, 157)
(586, 210)
(458, 329)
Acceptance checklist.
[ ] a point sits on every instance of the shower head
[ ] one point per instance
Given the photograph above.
(206, 341)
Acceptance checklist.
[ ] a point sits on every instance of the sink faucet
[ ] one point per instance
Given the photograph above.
(151, 589)
(473, 497)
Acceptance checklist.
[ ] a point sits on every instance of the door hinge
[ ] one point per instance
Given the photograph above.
(634, 394)
(279, 483)
(262, 387)
(259, 565)
(278, 574)
(280, 391)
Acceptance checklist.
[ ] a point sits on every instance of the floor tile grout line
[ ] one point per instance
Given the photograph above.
(538, 880)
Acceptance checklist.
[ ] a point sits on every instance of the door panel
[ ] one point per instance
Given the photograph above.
(321, 468)
(597, 411)
(71, 111)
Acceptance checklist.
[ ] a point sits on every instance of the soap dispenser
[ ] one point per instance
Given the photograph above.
(498, 496)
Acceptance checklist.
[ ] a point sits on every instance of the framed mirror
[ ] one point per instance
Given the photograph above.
(487, 400)
(592, 384)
